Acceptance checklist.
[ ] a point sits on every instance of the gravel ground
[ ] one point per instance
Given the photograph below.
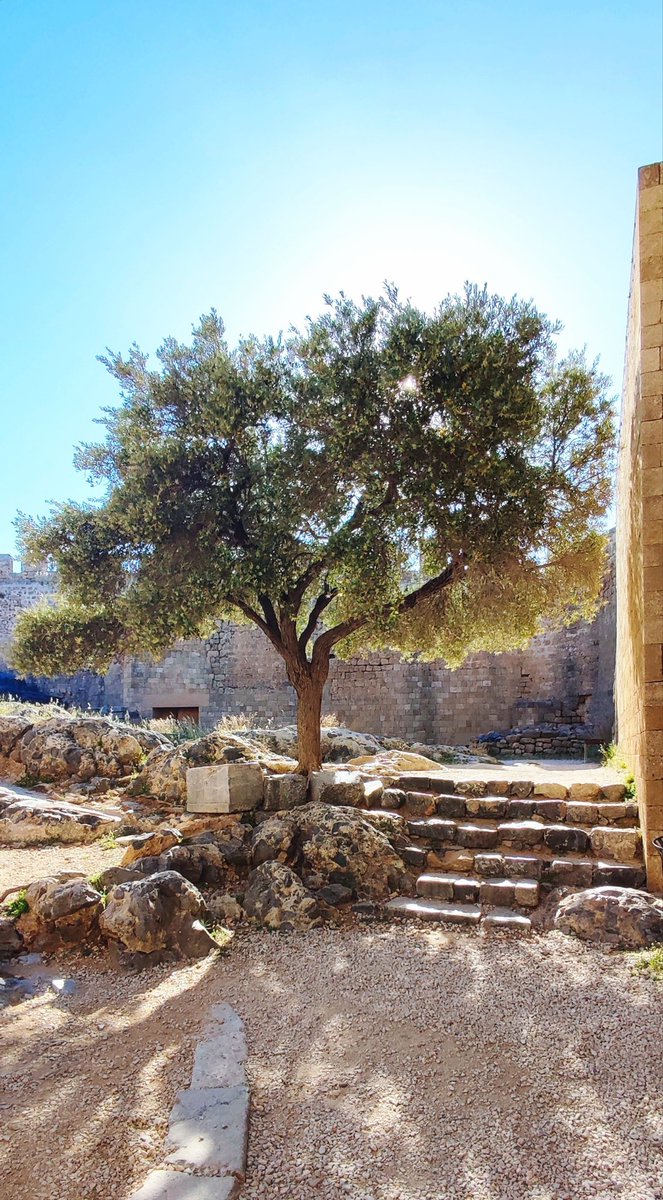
(25, 865)
(386, 1063)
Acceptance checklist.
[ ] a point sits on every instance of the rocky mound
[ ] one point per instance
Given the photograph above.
(73, 748)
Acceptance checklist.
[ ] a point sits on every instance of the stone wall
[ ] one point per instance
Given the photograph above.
(639, 675)
(19, 589)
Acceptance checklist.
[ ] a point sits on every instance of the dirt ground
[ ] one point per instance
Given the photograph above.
(385, 1062)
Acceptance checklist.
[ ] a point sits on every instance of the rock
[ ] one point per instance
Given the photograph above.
(613, 793)
(453, 807)
(581, 812)
(276, 897)
(334, 893)
(391, 824)
(208, 1132)
(143, 844)
(521, 789)
(373, 792)
(337, 744)
(550, 810)
(343, 846)
(225, 909)
(84, 747)
(10, 939)
(273, 840)
(281, 792)
(224, 788)
(420, 804)
(623, 917)
(155, 915)
(392, 798)
(584, 791)
(203, 865)
(619, 844)
(164, 772)
(551, 791)
(337, 787)
(110, 878)
(30, 820)
(564, 872)
(12, 729)
(565, 839)
(63, 910)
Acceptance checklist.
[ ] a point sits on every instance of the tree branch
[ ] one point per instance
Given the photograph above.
(323, 601)
(327, 640)
(274, 636)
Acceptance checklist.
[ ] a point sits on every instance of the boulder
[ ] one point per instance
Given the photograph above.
(224, 788)
(274, 839)
(225, 909)
(12, 729)
(10, 939)
(144, 844)
(337, 743)
(203, 864)
(63, 910)
(110, 878)
(84, 747)
(623, 917)
(277, 898)
(329, 786)
(28, 820)
(342, 846)
(159, 917)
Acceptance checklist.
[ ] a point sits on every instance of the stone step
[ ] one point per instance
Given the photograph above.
(549, 870)
(574, 793)
(506, 918)
(434, 910)
(450, 885)
(447, 912)
(483, 834)
(458, 807)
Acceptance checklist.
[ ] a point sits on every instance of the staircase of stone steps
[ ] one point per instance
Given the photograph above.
(492, 858)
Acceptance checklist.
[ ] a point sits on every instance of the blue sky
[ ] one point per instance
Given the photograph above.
(161, 158)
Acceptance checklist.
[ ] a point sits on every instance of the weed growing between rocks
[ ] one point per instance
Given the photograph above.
(17, 907)
(649, 962)
(108, 842)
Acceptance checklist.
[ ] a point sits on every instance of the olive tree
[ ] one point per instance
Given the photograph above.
(434, 483)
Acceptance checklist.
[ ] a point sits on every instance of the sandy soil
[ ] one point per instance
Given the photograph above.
(386, 1063)
(25, 865)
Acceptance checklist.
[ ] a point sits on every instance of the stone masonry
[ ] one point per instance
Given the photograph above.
(639, 675)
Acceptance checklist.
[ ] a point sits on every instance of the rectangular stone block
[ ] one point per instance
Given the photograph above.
(526, 865)
(451, 806)
(497, 891)
(225, 788)
(284, 791)
(526, 892)
(579, 812)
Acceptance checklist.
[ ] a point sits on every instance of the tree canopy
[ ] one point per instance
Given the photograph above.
(434, 483)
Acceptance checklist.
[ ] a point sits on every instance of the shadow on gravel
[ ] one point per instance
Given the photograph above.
(385, 1064)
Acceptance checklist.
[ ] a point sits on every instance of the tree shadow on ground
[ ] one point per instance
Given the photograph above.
(386, 1063)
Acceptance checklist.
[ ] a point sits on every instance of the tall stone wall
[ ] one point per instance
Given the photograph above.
(639, 675)
(19, 590)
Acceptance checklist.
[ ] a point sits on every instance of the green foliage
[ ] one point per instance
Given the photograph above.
(631, 790)
(18, 906)
(650, 962)
(385, 478)
(107, 842)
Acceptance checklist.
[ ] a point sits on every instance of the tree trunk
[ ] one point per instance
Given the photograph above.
(309, 711)
(308, 680)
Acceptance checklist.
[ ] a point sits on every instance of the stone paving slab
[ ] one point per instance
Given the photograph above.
(175, 1185)
(221, 1058)
(208, 1129)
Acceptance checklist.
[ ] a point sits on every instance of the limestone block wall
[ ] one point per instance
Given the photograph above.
(639, 673)
(18, 590)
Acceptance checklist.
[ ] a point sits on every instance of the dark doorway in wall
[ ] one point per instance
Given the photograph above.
(179, 714)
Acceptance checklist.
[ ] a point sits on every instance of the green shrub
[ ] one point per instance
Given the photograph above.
(16, 907)
(650, 962)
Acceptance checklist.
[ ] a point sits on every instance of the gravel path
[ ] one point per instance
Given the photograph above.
(385, 1063)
